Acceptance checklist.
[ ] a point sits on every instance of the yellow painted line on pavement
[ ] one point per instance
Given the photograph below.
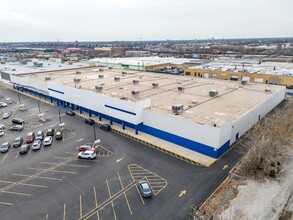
(80, 206)
(4, 158)
(24, 184)
(69, 165)
(39, 177)
(124, 193)
(16, 193)
(6, 203)
(57, 171)
(108, 201)
(111, 201)
(139, 194)
(96, 202)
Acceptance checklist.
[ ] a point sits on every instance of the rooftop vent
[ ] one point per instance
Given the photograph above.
(47, 78)
(76, 80)
(101, 70)
(177, 108)
(194, 102)
(99, 88)
(110, 67)
(124, 97)
(117, 79)
(135, 92)
(124, 73)
(101, 76)
(268, 91)
(213, 93)
(78, 72)
(135, 81)
(155, 85)
(181, 88)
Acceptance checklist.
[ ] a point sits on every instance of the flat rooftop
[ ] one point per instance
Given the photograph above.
(233, 99)
(19, 68)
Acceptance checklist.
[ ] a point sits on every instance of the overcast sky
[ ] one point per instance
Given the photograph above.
(99, 20)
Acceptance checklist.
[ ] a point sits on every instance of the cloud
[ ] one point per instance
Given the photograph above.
(14, 17)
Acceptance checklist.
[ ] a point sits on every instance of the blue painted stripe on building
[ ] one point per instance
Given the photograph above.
(184, 142)
(54, 90)
(121, 110)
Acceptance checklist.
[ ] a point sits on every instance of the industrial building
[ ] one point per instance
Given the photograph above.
(202, 115)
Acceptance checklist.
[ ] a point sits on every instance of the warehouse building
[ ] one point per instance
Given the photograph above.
(202, 115)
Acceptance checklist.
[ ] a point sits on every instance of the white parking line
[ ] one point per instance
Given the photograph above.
(79, 140)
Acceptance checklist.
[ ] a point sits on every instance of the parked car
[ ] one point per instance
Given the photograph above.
(48, 141)
(40, 135)
(106, 127)
(50, 132)
(89, 121)
(1, 132)
(24, 148)
(30, 138)
(6, 115)
(144, 189)
(17, 142)
(59, 135)
(18, 121)
(36, 145)
(84, 148)
(70, 112)
(16, 128)
(3, 104)
(5, 147)
(88, 154)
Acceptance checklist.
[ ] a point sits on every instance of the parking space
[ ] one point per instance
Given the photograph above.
(52, 183)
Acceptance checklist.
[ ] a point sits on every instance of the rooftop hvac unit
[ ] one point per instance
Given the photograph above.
(124, 73)
(135, 92)
(110, 67)
(244, 82)
(213, 93)
(155, 85)
(177, 108)
(135, 82)
(181, 88)
(268, 91)
(78, 72)
(76, 80)
(47, 78)
(124, 97)
(117, 79)
(101, 76)
(99, 88)
(101, 70)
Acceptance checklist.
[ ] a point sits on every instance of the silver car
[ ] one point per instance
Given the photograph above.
(145, 189)
(6, 115)
(48, 141)
(36, 145)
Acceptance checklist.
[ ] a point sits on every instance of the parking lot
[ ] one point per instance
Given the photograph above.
(52, 183)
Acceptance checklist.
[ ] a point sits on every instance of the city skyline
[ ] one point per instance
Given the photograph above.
(114, 20)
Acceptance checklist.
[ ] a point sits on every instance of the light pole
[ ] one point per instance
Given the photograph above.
(94, 131)
(59, 116)
(39, 107)
(19, 98)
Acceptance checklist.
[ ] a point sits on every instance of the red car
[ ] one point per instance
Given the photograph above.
(30, 138)
(85, 147)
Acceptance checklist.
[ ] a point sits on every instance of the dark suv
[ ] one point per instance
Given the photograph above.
(89, 121)
(17, 121)
(50, 132)
(17, 142)
(106, 127)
